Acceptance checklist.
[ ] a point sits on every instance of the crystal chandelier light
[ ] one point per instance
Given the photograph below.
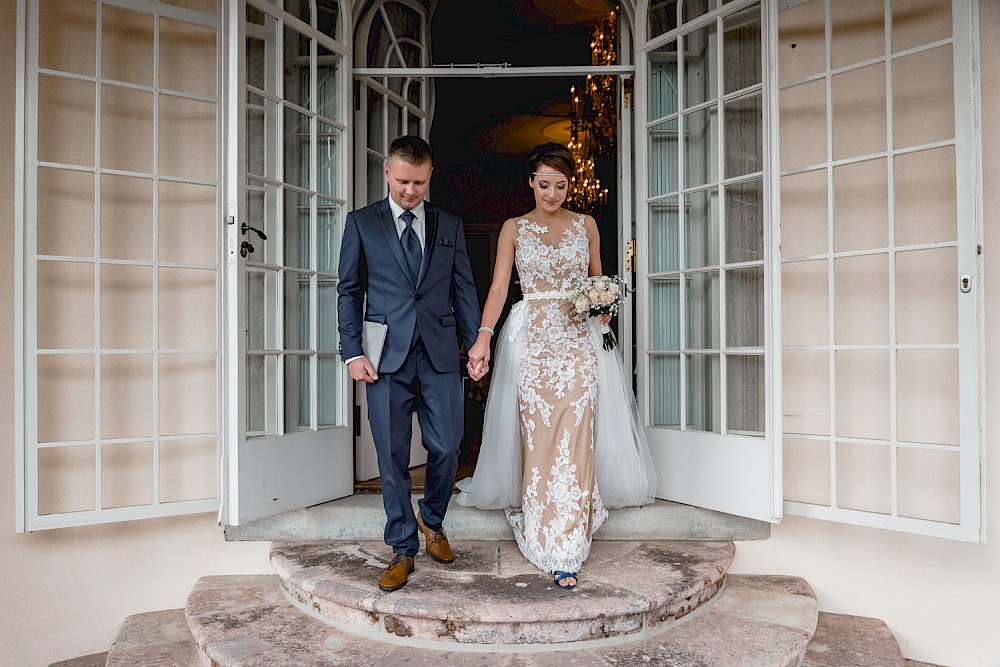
(593, 120)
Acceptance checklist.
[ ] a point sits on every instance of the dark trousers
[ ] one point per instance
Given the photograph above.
(391, 402)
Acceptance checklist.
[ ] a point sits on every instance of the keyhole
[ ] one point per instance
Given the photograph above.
(966, 284)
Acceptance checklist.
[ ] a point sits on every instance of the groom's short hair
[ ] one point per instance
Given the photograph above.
(410, 149)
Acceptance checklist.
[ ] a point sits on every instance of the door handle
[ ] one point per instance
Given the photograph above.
(245, 248)
(244, 228)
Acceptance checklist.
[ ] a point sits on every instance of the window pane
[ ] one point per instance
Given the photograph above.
(296, 68)
(327, 313)
(741, 50)
(663, 93)
(376, 179)
(262, 373)
(327, 235)
(262, 202)
(328, 17)
(405, 21)
(704, 399)
(695, 8)
(665, 312)
(701, 229)
(413, 91)
(296, 149)
(297, 320)
(328, 85)
(745, 394)
(700, 65)
(701, 136)
(256, 134)
(702, 311)
(329, 371)
(662, 17)
(376, 133)
(261, 302)
(665, 394)
(745, 221)
(297, 230)
(327, 159)
(663, 236)
(745, 307)
(744, 149)
(395, 128)
(378, 43)
(663, 158)
(297, 395)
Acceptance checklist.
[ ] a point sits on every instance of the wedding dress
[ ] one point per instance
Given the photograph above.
(562, 438)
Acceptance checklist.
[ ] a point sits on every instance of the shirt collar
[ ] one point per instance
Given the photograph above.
(397, 210)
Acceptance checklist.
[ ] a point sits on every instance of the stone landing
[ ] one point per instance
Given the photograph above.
(492, 595)
(246, 621)
(361, 517)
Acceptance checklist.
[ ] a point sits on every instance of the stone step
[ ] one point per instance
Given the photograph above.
(361, 517)
(154, 639)
(491, 594)
(841, 640)
(246, 621)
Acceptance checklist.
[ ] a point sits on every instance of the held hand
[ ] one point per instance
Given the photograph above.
(479, 357)
(605, 319)
(362, 370)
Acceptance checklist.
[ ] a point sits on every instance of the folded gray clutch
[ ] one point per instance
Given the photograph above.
(373, 340)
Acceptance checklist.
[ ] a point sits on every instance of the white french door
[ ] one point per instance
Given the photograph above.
(705, 265)
(289, 421)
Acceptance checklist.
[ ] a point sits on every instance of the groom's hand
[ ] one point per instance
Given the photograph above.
(362, 370)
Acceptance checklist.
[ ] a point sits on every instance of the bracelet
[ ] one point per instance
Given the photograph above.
(490, 329)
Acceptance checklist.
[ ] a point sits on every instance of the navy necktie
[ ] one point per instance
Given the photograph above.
(411, 244)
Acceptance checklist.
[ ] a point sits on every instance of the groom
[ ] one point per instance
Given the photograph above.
(407, 257)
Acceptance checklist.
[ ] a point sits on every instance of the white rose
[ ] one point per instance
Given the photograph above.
(593, 295)
(601, 287)
(582, 305)
(614, 289)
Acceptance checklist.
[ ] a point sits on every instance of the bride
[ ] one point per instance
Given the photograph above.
(561, 439)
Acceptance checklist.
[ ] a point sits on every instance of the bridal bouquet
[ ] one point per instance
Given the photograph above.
(600, 295)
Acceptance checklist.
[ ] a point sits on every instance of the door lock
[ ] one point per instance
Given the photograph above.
(245, 248)
(965, 284)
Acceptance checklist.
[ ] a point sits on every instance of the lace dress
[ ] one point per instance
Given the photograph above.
(557, 380)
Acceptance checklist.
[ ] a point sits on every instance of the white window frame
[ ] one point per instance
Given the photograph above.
(971, 378)
(26, 350)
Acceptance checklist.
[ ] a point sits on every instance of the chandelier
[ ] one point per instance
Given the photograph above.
(594, 119)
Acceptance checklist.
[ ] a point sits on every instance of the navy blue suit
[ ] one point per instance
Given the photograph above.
(426, 318)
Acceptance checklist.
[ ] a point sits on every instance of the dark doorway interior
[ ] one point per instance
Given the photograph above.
(483, 128)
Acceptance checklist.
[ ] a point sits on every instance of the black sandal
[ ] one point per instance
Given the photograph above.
(561, 576)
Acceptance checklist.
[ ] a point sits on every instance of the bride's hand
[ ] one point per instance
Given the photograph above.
(479, 357)
(605, 319)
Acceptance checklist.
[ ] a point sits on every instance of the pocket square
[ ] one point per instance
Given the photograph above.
(445, 242)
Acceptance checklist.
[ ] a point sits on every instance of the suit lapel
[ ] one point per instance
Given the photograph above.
(392, 238)
(430, 230)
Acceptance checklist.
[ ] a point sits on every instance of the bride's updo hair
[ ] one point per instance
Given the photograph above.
(553, 154)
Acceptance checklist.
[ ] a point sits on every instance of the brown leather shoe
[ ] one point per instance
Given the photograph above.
(395, 575)
(437, 543)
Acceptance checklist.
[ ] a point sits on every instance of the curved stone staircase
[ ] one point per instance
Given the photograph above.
(639, 602)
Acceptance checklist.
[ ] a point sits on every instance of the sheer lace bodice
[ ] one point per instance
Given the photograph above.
(551, 262)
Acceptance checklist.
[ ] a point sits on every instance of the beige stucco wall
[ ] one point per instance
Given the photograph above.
(64, 593)
(940, 598)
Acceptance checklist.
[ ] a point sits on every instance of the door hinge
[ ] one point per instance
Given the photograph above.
(630, 255)
(628, 88)
(357, 421)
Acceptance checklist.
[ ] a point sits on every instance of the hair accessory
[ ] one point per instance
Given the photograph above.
(539, 173)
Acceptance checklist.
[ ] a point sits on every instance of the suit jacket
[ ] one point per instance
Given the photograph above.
(442, 303)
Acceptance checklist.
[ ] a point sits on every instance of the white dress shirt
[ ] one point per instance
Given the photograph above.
(418, 222)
